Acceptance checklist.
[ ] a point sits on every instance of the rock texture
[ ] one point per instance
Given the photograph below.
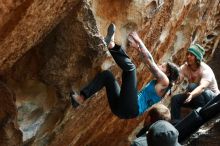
(49, 47)
(9, 130)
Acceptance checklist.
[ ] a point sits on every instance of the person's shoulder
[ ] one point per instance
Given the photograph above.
(206, 70)
(140, 141)
(205, 66)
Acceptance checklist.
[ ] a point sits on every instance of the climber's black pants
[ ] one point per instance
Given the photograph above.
(122, 100)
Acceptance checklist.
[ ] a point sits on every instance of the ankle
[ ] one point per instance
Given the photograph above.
(81, 98)
(111, 45)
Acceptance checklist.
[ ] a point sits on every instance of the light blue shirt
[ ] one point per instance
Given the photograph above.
(147, 97)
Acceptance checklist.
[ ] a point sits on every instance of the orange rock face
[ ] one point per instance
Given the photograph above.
(49, 47)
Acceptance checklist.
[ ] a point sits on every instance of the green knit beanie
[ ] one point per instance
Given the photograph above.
(197, 50)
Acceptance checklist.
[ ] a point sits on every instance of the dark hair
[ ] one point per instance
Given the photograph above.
(198, 62)
(173, 71)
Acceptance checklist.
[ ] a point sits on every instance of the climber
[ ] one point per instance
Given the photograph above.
(202, 85)
(125, 101)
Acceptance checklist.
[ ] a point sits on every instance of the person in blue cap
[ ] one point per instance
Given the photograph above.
(202, 84)
(124, 100)
(162, 133)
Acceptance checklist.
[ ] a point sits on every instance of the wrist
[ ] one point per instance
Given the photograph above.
(190, 94)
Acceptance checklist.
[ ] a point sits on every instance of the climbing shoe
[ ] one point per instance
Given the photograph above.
(110, 33)
(73, 99)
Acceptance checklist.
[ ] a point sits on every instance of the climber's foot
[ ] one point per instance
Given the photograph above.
(76, 99)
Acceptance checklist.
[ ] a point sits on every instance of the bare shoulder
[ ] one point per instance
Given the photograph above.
(161, 88)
